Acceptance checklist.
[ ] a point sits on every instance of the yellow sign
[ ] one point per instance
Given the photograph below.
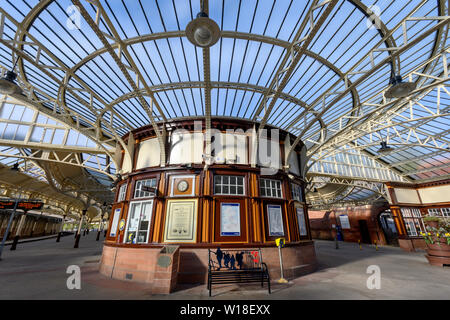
(280, 242)
(122, 224)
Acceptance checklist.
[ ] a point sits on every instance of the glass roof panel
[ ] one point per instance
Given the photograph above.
(333, 96)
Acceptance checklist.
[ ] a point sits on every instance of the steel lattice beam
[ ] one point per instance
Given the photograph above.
(95, 26)
(350, 118)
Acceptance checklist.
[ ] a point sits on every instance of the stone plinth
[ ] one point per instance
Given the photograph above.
(163, 270)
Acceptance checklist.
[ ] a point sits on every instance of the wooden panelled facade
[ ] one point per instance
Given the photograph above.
(410, 203)
(242, 184)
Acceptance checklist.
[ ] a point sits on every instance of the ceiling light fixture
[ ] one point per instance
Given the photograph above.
(384, 147)
(399, 89)
(15, 167)
(8, 84)
(203, 31)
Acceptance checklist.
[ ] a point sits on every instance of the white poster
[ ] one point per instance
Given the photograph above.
(181, 221)
(301, 222)
(115, 222)
(230, 219)
(275, 220)
(345, 224)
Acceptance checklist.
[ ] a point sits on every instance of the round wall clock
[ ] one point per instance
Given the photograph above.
(182, 186)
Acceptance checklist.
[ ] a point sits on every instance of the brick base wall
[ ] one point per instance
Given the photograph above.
(412, 245)
(140, 264)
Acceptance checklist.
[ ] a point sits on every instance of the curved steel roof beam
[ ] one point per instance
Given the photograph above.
(214, 85)
(225, 34)
(218, 85)
(66, 114)
(95, 26)
(398, 51)
(285, 73)
(390, 42)
(393, 54)
(292, 57)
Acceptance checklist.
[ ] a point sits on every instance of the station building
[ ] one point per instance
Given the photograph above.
(180, 127)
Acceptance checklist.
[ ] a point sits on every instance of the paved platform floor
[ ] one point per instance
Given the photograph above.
(37, 270)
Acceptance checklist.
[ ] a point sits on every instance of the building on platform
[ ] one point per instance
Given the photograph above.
(369, 224)
(410, 203)
(232, 201)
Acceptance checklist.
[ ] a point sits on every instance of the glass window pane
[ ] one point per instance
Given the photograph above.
(133, 221)
(228, 185)
(139, 193)
(37, 134)
(143, 225)
(146, 211)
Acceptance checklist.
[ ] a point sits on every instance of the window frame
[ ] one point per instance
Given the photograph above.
(295, 186)
(439, 212)
(132, 204)
(412, 219)
(305, 223)
(229, 185)
(124, 193)
(271, 180)
(139, 182)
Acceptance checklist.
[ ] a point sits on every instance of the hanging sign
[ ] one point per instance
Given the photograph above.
(22, 205)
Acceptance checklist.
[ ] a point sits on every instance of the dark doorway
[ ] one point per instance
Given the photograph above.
(388, 226)
(364, 231)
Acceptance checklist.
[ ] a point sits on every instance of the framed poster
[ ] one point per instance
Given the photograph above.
(345, 223)
(115, 223)
(230, 219)
(275, 220)
(181, 221)
(301, 222)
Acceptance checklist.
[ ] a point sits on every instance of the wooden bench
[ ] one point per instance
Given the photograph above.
(240, 266)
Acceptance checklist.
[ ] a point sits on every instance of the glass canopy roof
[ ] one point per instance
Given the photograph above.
(120, 65)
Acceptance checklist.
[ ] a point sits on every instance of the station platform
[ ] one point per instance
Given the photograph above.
(37, 270)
